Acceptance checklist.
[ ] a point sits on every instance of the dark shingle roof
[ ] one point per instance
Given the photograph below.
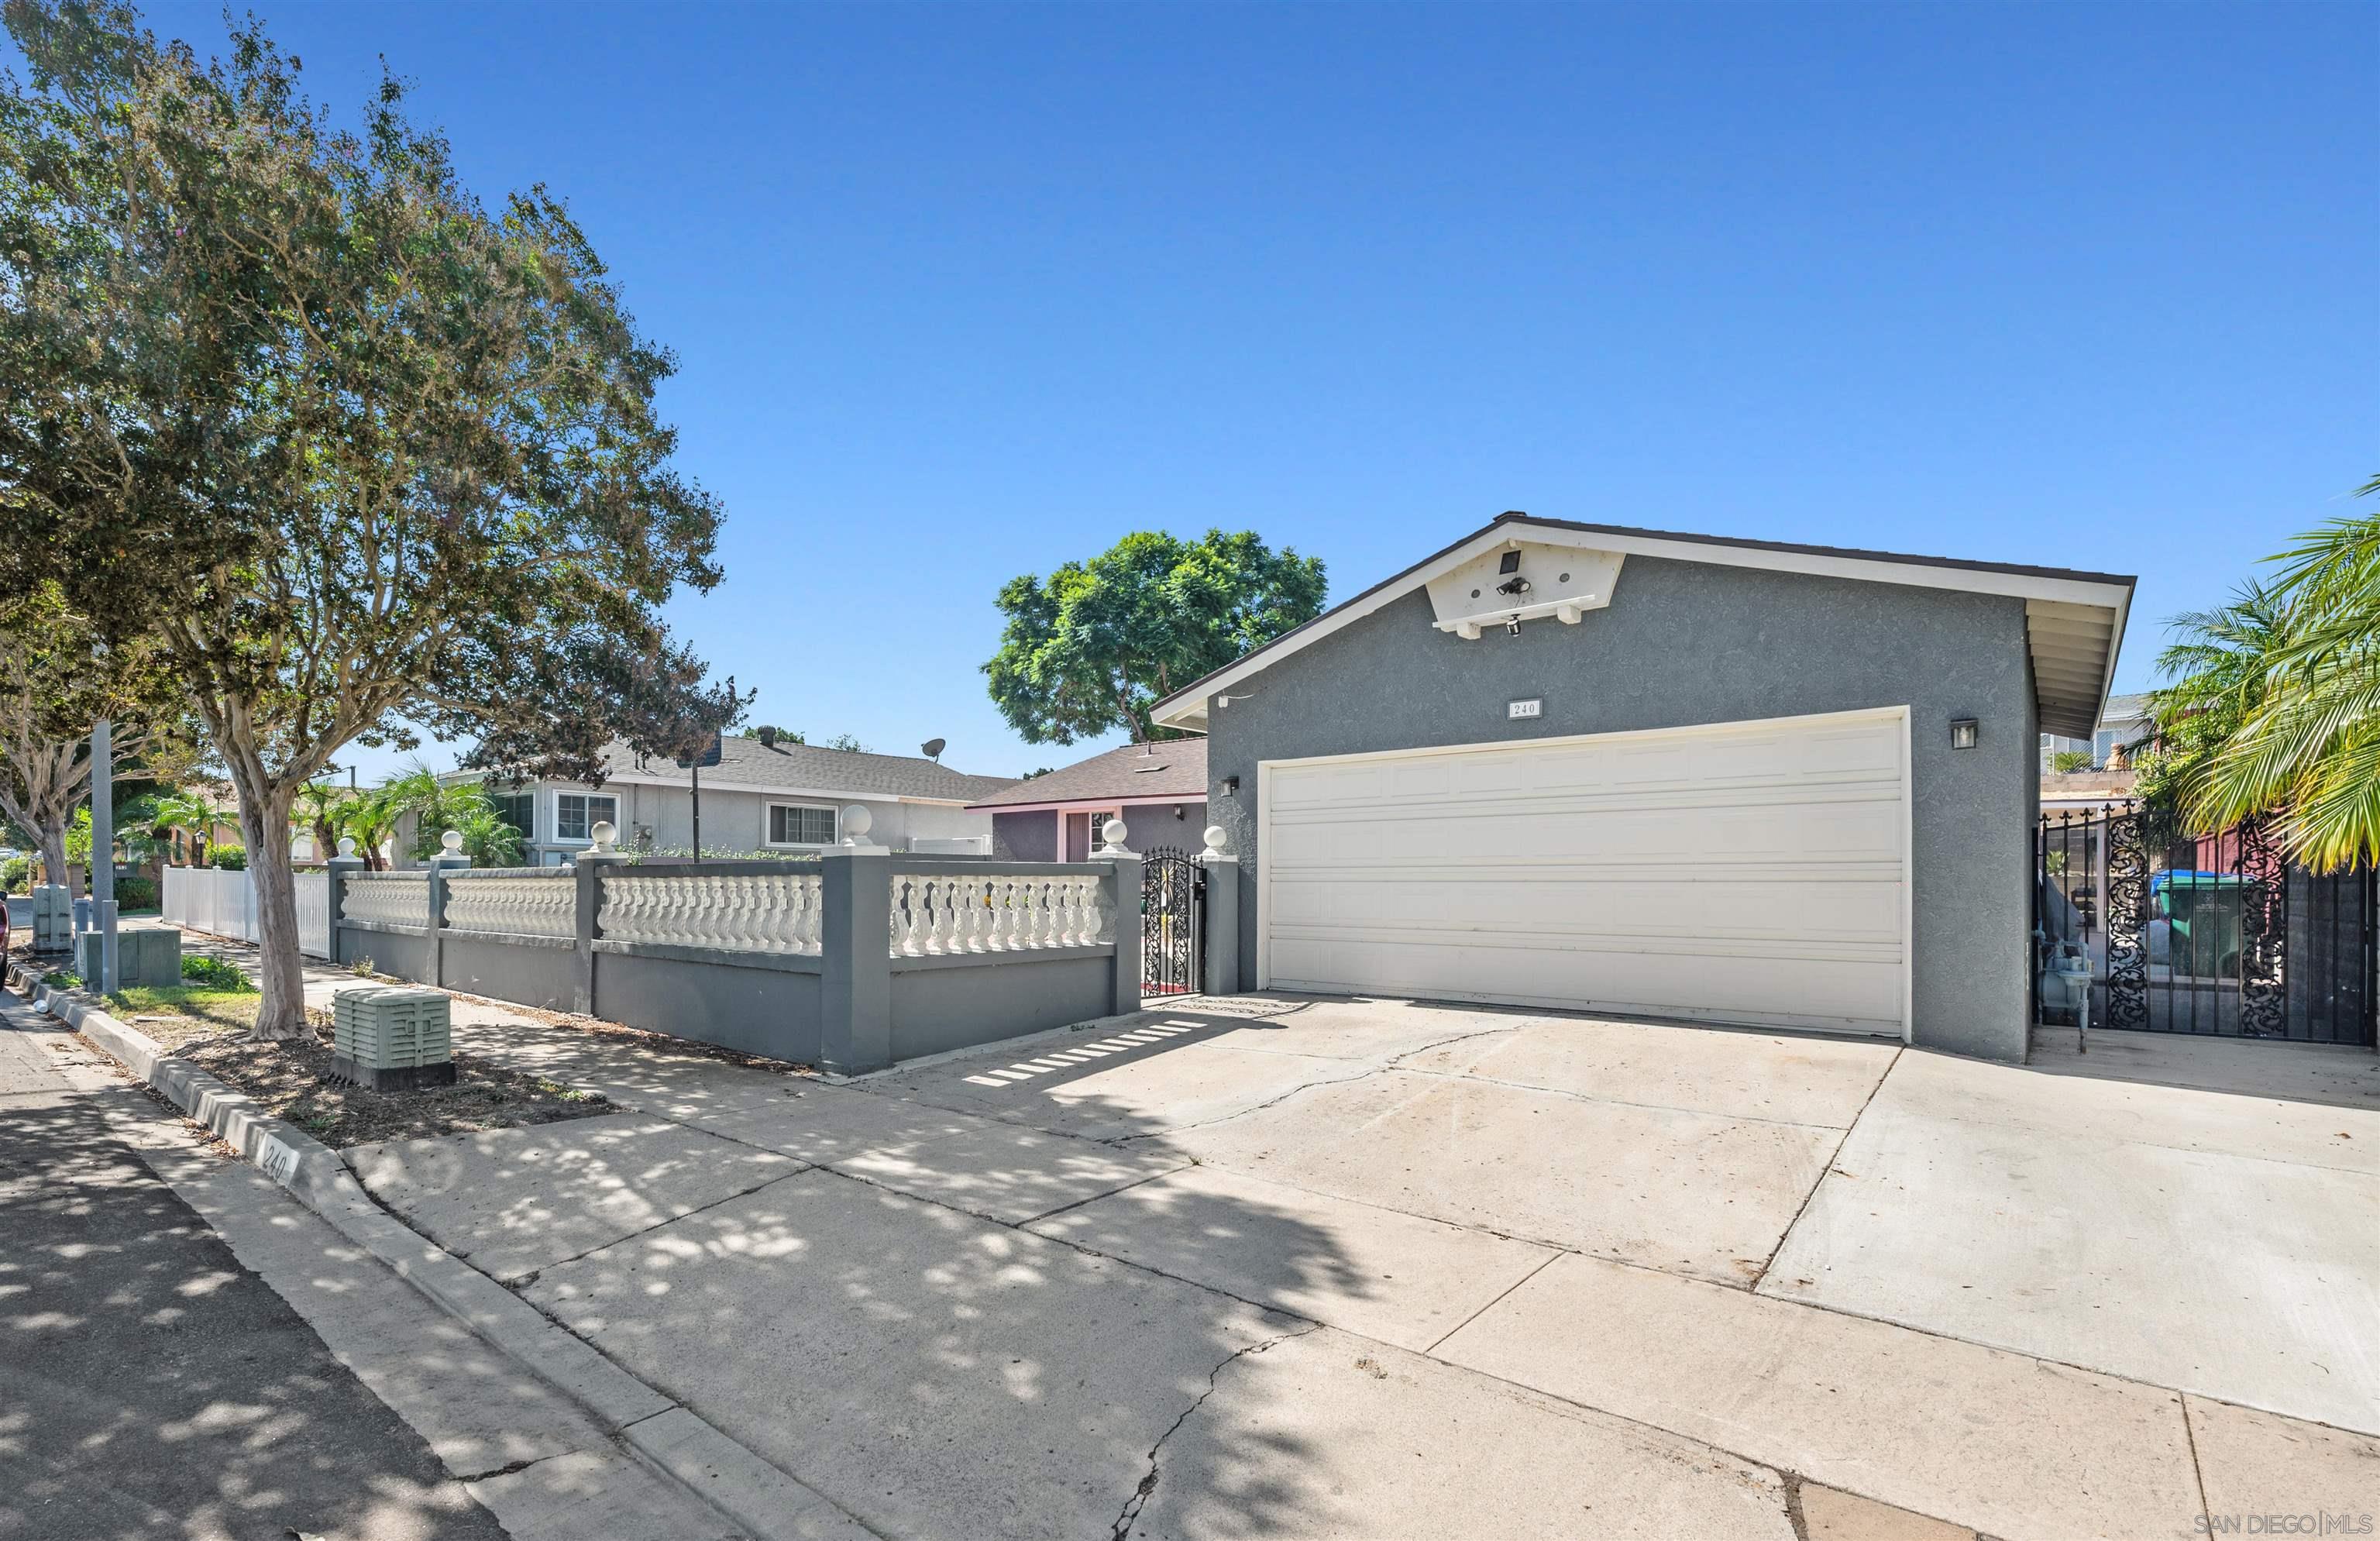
(745, 761)
(1171, 767)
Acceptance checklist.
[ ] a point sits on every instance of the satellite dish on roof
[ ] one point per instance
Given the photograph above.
(932, 749)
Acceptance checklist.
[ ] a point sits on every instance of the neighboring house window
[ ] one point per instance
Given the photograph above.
(577, 813)
(519, 810)
(800, 824)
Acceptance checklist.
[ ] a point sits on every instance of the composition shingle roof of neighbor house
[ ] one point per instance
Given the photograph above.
(1170, 768)
(785, 766)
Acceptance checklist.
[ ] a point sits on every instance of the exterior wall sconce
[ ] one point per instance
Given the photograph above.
(1962, 732)
(1231, 787)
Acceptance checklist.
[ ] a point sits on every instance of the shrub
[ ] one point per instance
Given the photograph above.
(214, 974)
(230, 858)
(16, 875)
(135, 893)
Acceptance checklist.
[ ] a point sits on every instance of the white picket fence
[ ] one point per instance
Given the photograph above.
(224, 904)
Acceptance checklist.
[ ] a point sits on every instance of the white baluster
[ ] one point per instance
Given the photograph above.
(1103, 902)
(1003, 914)
(913, 916)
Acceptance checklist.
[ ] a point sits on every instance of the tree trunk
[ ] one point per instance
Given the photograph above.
(282, 1013)
(52, 836)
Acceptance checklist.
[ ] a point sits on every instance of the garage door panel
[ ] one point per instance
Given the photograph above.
(1817, 992)
(1580, 910)
(1815, 835)
(1753, 872)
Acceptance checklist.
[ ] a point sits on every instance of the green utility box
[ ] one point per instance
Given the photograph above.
(151, 956)
(389, 1038)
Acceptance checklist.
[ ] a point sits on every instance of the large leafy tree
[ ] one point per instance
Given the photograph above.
(281, 398)
(2306, 745)
(1096, 644)
(55, 684)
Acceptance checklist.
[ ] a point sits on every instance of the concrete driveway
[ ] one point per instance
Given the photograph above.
(1300, 1267)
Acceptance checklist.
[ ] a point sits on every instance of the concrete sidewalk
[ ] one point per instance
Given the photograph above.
(1302, 1267)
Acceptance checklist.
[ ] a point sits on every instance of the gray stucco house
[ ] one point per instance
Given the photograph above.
(761, 798)
(1159, 790)
(1634, 773)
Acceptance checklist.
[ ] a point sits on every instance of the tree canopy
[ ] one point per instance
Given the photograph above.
(281, 400)
(55, 683)
(1096, 644)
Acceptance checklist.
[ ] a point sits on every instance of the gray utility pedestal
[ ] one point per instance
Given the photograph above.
(151, 955)
(53, 919)
(389, 1038)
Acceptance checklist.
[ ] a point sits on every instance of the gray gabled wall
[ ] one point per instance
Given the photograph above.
(1685, 643)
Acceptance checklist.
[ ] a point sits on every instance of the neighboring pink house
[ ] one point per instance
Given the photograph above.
(1158, 789)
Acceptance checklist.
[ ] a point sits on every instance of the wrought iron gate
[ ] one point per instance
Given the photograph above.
(2211, 935)
(1172, 885)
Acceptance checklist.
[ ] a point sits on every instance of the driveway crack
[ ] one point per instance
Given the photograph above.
(1140, 1494)
(1297, 1090)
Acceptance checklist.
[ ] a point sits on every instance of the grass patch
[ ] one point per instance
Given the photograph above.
(58, 979)
(215, 973)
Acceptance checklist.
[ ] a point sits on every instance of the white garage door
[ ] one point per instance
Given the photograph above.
(1752, 872)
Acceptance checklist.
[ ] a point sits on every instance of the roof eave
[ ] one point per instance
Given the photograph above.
(1186, 709)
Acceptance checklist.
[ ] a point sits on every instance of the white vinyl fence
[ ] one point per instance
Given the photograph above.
(224, 904)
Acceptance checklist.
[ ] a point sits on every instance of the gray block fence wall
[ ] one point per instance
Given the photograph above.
(850, 962)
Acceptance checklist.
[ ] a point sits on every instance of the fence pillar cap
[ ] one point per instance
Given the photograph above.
(1113, 832)
(857, 821)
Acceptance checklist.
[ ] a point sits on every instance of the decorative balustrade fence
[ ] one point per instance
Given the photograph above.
(516, 901)
(948, 914)
(852, 961)
(400, 899)
(741, 912)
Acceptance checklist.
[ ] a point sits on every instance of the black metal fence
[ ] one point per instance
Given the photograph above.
(2210, 935)
(1172, 885)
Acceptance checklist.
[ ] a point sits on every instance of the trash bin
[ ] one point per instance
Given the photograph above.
(2204, 910)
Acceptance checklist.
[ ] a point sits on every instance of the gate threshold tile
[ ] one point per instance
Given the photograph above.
(985, 1166)
(1395, 1277)
(2000, 1442)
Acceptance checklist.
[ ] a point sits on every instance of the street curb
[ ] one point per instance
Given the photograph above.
(672, 1440)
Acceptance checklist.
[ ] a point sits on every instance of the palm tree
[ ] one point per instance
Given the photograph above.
(320, 809)
(438, 806)
(196, 811)
(2306, 747)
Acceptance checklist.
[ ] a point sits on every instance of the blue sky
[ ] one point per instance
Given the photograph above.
(964, 291)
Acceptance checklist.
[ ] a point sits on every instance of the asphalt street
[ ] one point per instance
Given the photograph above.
(150, 1386)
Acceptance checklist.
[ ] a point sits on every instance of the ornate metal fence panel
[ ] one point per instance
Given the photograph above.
(2126, 867)
(1170, 894)
(2213, 935)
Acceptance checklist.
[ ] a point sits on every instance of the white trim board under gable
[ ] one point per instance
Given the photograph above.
(2074, 621)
